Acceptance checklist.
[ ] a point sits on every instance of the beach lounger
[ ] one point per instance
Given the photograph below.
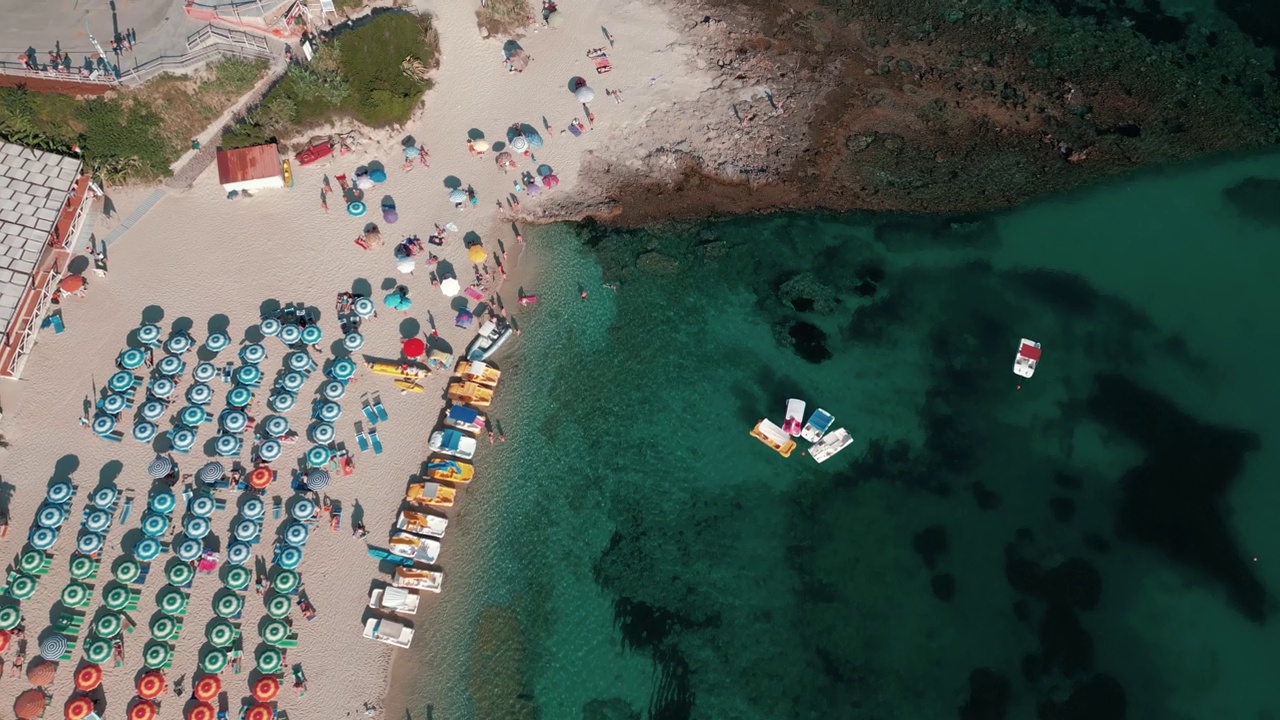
(70, 623)
(235, 660)
(44, 567)
(228, 372)
(113, 436)
(603, 65)
(289, 642)
(93, 573)
(275, 507)
(377, 408)
(70, 651)
(144, 571)
(375, 441)
(369, 414)
(362, 441)
(126, 507)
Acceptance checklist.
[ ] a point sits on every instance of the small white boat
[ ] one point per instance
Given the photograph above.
(773, 436)
(395, 600)
(832, 443)
(795, 417)
(390, 632)
(418, 579)
(465, 418)
(1024, 365)
(420, 523)
(422, 549)
(819, 422)
(488, 340)
(453, 442)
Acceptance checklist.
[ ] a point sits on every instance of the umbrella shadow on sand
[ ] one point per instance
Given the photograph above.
(77, 265)
(576, 82)
(361, 286)
(408, 141)
(389, 284)
(475, 134)
(458, 303)
(445, 269)
(471, 238)
(453, 182)
(410, 327)
(182, 325)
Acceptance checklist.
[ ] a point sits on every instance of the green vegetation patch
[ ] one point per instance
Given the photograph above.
(503, 17)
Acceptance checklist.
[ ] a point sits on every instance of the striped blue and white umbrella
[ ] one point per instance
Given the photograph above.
(162, 387)
(323, 433)
(282, 401)
(192, 415)
(121, 381)
(60, 492)
(188, 549)
(303, 508)
(290, 334)
(144, 431)
(53, 647)
(269, 450)
(253, 354)
(154, 524)
(227, 445)
(289, 557)
(159, 467)
(342, 369)
(292, 381)
(246, 530)
(149, 334)
(152, 410)
(329, 412)
(114, 403)
(300, 361)
(249, 375)
(195, 527)
(317, 479)
(182, 438)
(364, 307)
(217, 342)
(131, 359)
(51, 516)
(312, 334)
(275, 426)
(178, 344)
(239, 396)
(333, 390)
(42, 538)
(89, 543)
(238, 553)
(253, 508)
(97, 520)
(171, 365)
(105, 497)
(269, 327)
(296, 534)
(353, 341)
(200, 394)
(318, 456)
(202, 506)
(211, 472)
(103, 424)
(233, 421)
(204, 372)
(146, 549)
(163, 502)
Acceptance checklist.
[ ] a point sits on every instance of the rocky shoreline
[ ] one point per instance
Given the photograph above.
(934, 106)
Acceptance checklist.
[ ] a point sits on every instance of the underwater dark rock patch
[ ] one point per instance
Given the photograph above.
(1067, 481)
(1255, 199)
(989, 694)
(931, 545)
(986, 498)
(1173, 500)
(1063, 509)
(672, 696)
(944, 586)
(1100, 697)
(809, 341)
(1064, 643)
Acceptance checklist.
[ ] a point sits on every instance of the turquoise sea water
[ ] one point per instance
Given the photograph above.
(1096, 544)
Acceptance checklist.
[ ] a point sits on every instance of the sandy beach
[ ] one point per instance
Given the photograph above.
(199, 261)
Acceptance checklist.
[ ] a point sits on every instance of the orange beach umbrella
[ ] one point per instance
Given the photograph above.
(42, 673)
(201, 711)
(266, 689)
(79, 708)
(144, 710)
(88, 677)
(261, 711)
(72, 283)
(5, 637)
(260, 477)
(207, 687)
(30, 704)
(151, 686)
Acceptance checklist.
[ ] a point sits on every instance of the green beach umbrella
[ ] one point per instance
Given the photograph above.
(179, 574)
(269, 660)
(75, 594)
(171, 600)
(10, 616)
(274, 631)
(97, 650)
(31, 560)
(127, 570)
(286, 581)
(116, 598)
(213, 660)
(278, 606)
(164, 627)
(108, 625)
(237, 577)
(221, 633)
(22, 587)
(155, 654)
(228, 604)
(82, 567)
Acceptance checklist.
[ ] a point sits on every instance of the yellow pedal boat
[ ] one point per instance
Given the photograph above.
(773, 436)
(443, 468)
(471, 393)
(429, 493)
(398, 370)
(479, 373)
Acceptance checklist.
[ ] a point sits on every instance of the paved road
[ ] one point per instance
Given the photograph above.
(161, 27)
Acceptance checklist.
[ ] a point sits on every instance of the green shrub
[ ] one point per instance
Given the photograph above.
(382, 94)
(237, 75)
(119, 141)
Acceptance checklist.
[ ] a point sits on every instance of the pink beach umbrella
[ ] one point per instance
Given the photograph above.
(550, 180)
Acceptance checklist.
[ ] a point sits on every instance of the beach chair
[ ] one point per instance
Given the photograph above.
(135, 596)
(375, 441)
(93, 571)
(82, 604)
(44, 567)
(125, 507)
(70, 623)
(362, 441)
(335, 519)
(299, 680)
(228, 372)
(369, 414)
(276, 507)
(70, 651)
(603, 65)
(289, 642)
(377, 408)
(236, 655)
(113, 436)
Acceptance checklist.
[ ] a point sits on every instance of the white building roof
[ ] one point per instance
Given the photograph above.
(33, 188)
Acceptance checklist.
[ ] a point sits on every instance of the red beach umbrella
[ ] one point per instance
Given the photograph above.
(261, 711)
(207, 687)
(201, 711)
(88, 677)
(266, 689)
(5, 637)
(79, 708)
(30, 704)
(144, 710)
(413, 347)
(550, 181)
(72, 283)
(260, 477)
(151, 686)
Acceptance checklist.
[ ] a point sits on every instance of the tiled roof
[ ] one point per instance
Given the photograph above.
(33, 187)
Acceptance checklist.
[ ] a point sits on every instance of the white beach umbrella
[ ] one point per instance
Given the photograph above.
(458, 196)
(406, 265)
(450, 287)
(584, 94)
